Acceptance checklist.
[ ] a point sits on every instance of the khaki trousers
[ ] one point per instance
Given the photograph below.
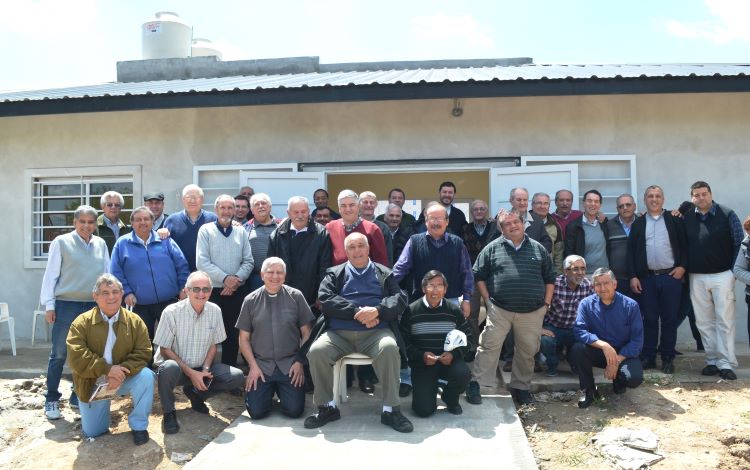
(527, 329)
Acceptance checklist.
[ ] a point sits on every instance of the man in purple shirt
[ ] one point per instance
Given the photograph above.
(610, 331)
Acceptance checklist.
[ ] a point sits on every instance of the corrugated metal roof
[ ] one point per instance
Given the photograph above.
(534, 72)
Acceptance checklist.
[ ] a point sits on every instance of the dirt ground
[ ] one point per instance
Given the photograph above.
(29, 441)
(699, 426)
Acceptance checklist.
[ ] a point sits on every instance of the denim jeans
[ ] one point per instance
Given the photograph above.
(95, 417)
(65, 312)
(258, 401)
(549, 345)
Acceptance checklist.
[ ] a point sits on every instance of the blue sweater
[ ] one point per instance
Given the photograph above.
(154, 275)
(618, 323)
(185, 233)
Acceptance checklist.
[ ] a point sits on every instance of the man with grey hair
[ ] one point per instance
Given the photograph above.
(618, 232)
(540, 204)
(223, 252)
(519, 202)
(397, 196)
(74, 261)
(259, 230)
(609, 331)
(368, 202)
(351, 222)
(109, 226)
(111, 343)
(397, 230)
(273, 322)
(571, 287)
(187, 336)
(515, 277)
(304, 247)
(183, 226)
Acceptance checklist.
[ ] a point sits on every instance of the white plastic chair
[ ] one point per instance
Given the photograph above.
(339, 373)
(39, 312)
(5, 317)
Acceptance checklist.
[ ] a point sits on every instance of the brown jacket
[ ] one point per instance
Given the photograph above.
(86, 340)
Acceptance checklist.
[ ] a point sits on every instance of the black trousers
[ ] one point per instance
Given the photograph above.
(424, 379)
(151, 313)
(230, 306)
(586, 357)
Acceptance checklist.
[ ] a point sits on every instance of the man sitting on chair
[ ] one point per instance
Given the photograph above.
(361, 302)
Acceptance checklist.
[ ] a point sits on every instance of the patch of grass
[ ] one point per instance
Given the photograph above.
(570, 460)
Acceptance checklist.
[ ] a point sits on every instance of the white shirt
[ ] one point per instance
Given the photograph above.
(111, 336)
(52, 273)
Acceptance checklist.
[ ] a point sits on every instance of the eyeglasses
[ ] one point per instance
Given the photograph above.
(112, 205)
(432, 287)
(623, 206)
(195, 290)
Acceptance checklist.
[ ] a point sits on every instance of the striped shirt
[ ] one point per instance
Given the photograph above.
(188, 333)
(260, 236)
(424, 329)
(515, 278)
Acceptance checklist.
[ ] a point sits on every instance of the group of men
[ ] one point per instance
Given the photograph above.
(293, 296)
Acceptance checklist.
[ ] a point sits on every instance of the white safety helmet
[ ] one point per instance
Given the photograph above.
(454, 339)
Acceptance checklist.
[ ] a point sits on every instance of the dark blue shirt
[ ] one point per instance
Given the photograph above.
(618, 324)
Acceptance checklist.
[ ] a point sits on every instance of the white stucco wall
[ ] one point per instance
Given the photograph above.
(677, 139)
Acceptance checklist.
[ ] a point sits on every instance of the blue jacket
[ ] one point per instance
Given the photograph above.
(619, 324)
(154, 275)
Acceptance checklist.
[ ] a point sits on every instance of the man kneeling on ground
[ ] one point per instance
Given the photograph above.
(425, 325)
(273, 320)
(187, 335)
(361, 302)
(610, 331)
(110, 341)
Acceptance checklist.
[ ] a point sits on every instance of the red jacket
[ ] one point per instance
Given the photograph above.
(378, 252)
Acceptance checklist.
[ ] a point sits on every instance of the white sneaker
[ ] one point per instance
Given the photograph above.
(52, 410)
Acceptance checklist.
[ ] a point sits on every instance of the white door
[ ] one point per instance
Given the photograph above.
(543, 178)
(281, 185)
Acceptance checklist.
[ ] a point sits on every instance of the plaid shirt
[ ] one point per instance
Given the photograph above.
(562, 312)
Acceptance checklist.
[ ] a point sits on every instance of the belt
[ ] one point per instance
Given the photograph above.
(659, 272)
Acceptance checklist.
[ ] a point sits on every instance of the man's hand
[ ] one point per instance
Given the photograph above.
(116, 376)
(610, 354)
(367, 316)
(610, 372)
(196, 378)
(635, 285)
(466, 308)
(601, 217)
(232, 282)
(677, 272)
(236, 224)
(130, 301)
(297, 374)
(446, 358)
(163, 233)
(546, 332)
(50, 316)
(429, 359)
(251, 383)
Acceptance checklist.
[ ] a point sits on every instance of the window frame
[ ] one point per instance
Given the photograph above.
(32, 176)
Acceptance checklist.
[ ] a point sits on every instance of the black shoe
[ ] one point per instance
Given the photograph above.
(727, 374)
(587, 397)
(453, 408)
(139, 437)
(524, 397)
(396, 420)
(710, 370)
(648, 363)
(677, 353)
(195, 400)
(667, 365)
(366, 386)
(508, 366)
(169, 424)
(404, 390)
(473, 395)
(619, 387)
(325, 414)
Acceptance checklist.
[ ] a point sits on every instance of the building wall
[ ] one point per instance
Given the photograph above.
(677, 139)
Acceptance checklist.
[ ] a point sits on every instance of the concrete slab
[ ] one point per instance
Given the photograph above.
(483, 436)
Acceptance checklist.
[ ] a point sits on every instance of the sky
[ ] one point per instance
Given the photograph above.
(61, 43)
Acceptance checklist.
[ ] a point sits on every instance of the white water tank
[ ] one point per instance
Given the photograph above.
(204, 48)
(166, 36)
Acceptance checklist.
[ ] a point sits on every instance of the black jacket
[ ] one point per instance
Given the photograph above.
(307, 270)
(637, 264)
(335, 306)
(575, 237)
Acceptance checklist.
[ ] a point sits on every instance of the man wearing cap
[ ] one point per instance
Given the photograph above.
(155, 202)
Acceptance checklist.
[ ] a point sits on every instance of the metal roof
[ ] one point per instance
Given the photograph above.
(522, 80)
